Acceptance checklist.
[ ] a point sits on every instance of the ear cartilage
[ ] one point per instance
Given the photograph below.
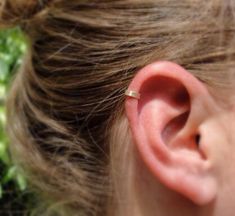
(133, 94)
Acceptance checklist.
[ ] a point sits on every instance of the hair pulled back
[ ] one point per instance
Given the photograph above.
(68, 94)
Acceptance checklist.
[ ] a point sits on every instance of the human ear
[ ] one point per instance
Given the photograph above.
(166, 124)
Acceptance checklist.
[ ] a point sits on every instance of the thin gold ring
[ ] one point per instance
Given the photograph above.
(133, 94)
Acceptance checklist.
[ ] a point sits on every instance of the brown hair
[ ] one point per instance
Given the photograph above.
(65, 106)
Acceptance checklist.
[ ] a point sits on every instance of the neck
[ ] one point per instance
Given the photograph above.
(141, 195)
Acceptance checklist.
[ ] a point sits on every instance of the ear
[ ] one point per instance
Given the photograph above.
(166, 124)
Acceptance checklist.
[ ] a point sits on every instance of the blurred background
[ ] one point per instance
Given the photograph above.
(13, 186)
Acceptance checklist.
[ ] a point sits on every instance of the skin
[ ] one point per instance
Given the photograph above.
(183, 147)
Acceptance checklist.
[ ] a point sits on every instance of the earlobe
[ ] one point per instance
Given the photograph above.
(165, 123)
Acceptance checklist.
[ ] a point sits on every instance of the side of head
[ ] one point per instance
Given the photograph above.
(88, 148)
(182, 136)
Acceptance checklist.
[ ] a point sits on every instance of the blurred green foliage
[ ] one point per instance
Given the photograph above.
(12, 47)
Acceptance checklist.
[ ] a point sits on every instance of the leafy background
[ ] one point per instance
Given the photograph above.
(13, 186)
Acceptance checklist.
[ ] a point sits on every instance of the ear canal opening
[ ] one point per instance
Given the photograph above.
(197, 140)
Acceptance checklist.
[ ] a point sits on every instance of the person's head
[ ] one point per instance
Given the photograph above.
(90, 149)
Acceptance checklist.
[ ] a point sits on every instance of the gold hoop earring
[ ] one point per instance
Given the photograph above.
(133, 94)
